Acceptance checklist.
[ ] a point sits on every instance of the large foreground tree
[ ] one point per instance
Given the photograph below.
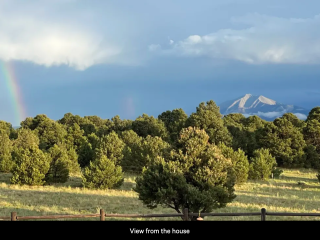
(197, 176)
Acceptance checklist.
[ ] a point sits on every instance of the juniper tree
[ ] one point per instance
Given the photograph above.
(261, 165)
(25, 139)
(314, 114)
(63, 162)
(284, 141)
(196, 176)
(140, 152)
(88, 149)
(102, 173)
(312, 133)
(31, 166)
(58, 171)
(174, 121)
(148, 125)
(239, 161)
(311, 157)
(208, 118)
(112, 147)
(7, 128)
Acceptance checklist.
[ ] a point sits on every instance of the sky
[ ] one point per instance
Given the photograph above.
(126, 58)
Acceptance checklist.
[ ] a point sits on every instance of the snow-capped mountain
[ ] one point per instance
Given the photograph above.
(261, 106)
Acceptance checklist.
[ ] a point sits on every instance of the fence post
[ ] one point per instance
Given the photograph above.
(13, 216)
(185, 214)
(263, 214)
(102, 215)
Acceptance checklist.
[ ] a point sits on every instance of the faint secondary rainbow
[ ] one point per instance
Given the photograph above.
(12, 84)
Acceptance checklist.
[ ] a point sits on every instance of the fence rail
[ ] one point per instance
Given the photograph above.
(185, 215)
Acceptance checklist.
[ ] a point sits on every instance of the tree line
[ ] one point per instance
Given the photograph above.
(182, 161)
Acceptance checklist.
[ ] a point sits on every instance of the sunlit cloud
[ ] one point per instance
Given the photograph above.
(42, 35)
(266, 39)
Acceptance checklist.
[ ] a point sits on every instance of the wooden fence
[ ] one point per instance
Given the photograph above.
(185, 215)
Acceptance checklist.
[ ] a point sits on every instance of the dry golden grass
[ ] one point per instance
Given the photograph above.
(276, 195)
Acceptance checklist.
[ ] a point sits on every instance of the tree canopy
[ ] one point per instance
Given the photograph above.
(180, 161)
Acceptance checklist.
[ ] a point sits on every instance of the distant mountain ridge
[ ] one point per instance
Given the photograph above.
(261, 106)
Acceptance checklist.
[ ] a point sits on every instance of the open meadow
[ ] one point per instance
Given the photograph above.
(296, 190)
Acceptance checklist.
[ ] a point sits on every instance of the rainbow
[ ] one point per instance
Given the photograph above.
(12, 85)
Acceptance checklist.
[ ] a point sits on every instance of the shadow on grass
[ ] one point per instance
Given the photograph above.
(287, 187)
(302, 179)
(5, 177)
(283, 201)
(306, 186)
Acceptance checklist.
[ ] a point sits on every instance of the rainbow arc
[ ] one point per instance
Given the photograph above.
(15, 94)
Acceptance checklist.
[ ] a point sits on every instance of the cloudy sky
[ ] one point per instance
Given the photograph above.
(127, 57)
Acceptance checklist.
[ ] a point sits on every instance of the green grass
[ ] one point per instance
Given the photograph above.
(276, 195)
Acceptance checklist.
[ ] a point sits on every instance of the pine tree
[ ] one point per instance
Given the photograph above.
(31, 166)
(208, 117)
(141, 152)
(239, 161)
(63, 161)
(285, 142)
(102, 173)
(261, 165)
(112, 147)
(148, 125)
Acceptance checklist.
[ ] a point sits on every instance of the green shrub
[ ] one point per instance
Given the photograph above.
(31, 166)
(240, 163)
(102, 174)
(311, 157)
(140, 152)
(261, 165)
(58, 171)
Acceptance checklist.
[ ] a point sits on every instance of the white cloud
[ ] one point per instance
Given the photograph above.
(262, 114)
(46, 40)
(301, 116)
(270, 114)
(267, 39)
(274, 115)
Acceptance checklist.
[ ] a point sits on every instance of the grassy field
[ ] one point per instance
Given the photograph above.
(276, 195)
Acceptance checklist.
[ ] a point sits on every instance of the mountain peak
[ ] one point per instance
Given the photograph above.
(259, 105)
(266, 100)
